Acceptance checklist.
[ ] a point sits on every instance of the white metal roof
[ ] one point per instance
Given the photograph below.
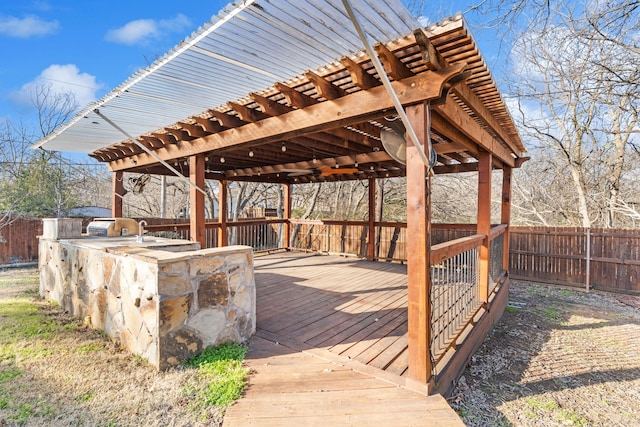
(245, 49)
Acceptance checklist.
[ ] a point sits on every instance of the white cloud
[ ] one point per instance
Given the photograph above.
(29, 26)
(142, 31)
(60, 79)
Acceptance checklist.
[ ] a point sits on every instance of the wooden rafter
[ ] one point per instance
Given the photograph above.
(325, 88)
(394, 67)
(353, 108)
(359, 76)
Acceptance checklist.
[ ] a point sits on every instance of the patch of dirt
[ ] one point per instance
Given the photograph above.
(557, 357)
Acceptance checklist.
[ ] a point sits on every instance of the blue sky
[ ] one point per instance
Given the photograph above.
(90, 47)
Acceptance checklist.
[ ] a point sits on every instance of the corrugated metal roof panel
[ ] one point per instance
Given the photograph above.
(244, 50)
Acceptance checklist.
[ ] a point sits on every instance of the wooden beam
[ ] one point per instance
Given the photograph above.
(353, 108)
(269, 106)
(210, 126)
(459, 119)
(152, 141)
(195, 131)
(484, 221)
(294, 98)
(418, 268)
(222, 213)
(346, 161)
(197, 228)
(458, 168)
(505, 215)
(247, 114)
(395, 68)
(287, 193)
(324, 87)
(100, 156)
(359, 75)
(227, 120)
(179, 134)
(430, 55)
(166, 138)
(371, 243)
(117, 192)
(472, 101)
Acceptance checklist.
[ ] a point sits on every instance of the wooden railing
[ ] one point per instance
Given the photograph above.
(260, 234)
(455, 286)
(455, 291)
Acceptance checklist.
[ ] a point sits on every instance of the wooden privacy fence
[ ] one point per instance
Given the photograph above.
(596, 258)
(20, 241)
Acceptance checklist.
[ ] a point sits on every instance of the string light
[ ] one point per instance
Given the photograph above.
(284, 147)
(221, 159)
(250, 153)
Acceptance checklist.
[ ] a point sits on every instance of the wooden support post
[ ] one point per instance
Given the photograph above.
(222, 213)
(287, 216)
(117, 192)
(418, 263)
(484, 220)
(371, 245)
(506, 214)
(197, 229)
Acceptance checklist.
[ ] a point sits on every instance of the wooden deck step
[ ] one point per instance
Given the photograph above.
(288, 387)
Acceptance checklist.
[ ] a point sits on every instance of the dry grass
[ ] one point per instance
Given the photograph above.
(566, 358)
(55, 372)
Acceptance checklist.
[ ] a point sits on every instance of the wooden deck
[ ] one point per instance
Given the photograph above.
(331, 347)
(350, 307)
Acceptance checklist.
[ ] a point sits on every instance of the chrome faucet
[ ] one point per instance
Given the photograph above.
(140, 238)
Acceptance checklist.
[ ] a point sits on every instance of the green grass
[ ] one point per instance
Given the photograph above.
(9, 374)
(85, 397)
(26, 333)
(221, 377)
(552, 313)
(31, 331)
(90, 347)
(19, 279)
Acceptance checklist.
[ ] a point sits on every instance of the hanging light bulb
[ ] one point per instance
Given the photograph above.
(284, 147)
(221, 159)
(250, 153)
(355, 165)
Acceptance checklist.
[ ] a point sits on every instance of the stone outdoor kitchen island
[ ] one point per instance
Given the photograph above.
(163, 299)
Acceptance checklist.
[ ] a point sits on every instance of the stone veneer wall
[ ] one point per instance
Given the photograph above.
(163, 306)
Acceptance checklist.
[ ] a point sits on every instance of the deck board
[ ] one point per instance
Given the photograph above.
(327, 328)
(334, 302)
(289, 387)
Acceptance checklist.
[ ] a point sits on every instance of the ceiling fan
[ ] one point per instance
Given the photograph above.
(138, 183)
(393, 140)
(395, 143)
(322, 171)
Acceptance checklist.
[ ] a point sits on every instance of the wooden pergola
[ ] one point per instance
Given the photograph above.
(329, 120)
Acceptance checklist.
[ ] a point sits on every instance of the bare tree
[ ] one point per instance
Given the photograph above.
(576, 106)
